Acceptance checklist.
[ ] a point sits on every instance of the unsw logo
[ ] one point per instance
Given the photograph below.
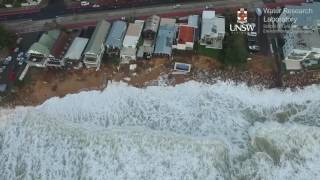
(242, 20)
(242, 16)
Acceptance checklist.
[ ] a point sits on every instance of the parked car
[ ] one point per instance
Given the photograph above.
(9, 58)
(85, 3)
(20, 54)
(176, 6)
(254, 48)
(96, 6)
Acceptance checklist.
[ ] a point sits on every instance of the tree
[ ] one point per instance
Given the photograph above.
(235, 50)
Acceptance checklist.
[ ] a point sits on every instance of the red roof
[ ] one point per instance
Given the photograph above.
(60, 45)
(186, 34)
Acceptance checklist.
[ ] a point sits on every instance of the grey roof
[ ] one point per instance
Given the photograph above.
(97, 39)
(193, 20)
(305, 19)
(165, 39)
(116, 34)
(75, 50)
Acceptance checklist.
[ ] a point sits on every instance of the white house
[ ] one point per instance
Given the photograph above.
(130, 42)
(95, 48)
(302, 39)
(213, 30)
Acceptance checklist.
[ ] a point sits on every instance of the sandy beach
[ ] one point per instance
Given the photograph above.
(43, 84)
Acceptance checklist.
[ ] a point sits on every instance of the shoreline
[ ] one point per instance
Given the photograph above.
(59, 83)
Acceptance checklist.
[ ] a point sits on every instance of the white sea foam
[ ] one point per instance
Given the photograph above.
(191, 131)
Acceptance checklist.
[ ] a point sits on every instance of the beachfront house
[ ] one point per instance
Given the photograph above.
(58, 50)
(115, 38)
(212, 30)
(95, 48)
(131, 41)
(50, 49)
(40, 51)
(149, 35)
(186, 37)
(73, 56)
(151, 27)
(166, 37)
(302, 39)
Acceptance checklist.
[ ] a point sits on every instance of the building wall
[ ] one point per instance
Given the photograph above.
(96, 58)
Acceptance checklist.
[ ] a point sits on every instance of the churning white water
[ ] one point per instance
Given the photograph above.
(191, 131)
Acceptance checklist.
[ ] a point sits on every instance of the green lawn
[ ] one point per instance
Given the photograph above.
(213, 53)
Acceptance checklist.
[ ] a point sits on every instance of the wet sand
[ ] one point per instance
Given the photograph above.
(43, 84)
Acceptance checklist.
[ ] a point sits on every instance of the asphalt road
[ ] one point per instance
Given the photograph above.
(58, 8)
(32, 25)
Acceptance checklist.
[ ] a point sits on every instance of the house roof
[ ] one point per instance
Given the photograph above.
(45, 43)
(54, 33)
(212, 24)
(167, 21)
(134, 29)
(165, 38)
(116, 34)
(208, 14)
(193, 20)
(60, 45)
(98, 37)
(38, 48)
(186, 34)
(75, 50)
(152, 23)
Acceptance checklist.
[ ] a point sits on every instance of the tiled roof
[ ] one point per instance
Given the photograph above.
(186, 34)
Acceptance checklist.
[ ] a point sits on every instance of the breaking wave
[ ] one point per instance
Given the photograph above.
(190, 131)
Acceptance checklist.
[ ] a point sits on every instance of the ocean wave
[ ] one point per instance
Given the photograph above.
(190, 131)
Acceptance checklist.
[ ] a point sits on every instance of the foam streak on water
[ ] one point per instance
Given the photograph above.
(191, 131)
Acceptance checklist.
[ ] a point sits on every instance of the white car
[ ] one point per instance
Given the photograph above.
(176, 6)
(254, 48)
(85, 3)
(16, 50)
(9, 58)
(20, 54)
(96, 6)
